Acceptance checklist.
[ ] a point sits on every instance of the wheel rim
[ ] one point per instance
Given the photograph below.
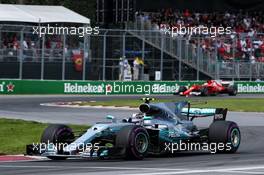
(141, 142)
(235, 137)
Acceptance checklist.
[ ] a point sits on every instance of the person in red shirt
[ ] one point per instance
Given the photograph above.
(248, 42)
(221, 51)
(15, 43)
(262, 47)
(48, 43)
(186, 13)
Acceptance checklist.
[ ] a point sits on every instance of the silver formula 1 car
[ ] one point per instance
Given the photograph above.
(155, 129)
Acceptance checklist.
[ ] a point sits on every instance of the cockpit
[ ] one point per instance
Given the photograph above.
(164, 111)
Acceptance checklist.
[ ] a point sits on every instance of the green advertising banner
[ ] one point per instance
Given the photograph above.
(108, 87)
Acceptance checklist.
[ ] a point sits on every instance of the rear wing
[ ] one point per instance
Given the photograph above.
(227, 83)
(218, 113)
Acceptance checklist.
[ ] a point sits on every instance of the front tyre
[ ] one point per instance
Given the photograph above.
(181, 90)
(135, 140)
(226, 133)
(204, 91)
(58, 135)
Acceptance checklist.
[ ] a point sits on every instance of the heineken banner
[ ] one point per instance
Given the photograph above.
(108, 87)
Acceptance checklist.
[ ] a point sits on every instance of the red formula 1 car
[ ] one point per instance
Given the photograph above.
(211, 87)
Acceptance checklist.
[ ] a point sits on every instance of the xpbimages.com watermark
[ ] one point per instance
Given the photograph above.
(81, 147)
(195, 30)
(208, 147)
(59, 30)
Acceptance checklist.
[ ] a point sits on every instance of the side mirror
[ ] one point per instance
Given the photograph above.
(110, 117)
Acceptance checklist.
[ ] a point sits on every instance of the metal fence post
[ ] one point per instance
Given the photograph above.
(104, 55)
(233, 48)
(123, 54)
(84, 56)
(171, 45)
(216, 63)
(250, 72)
(186, 48)
(143, 58)
(1, 53)
(236, 68)
(180, 58)
(124, 45)
(63, 57)
(251, 55)
(161, 57)
(235, 71)
(198, 60)
(1, 37)
(141, 27)
(21, 54)
(238, 72)
(42, 57)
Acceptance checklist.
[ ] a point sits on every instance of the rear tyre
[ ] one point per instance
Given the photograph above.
(134, 140)
(181, 89)
(226, 133)
(58, 135)
(232, 90)
(204, 91)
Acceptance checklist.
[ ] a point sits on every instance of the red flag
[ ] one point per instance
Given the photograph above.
(78, 62)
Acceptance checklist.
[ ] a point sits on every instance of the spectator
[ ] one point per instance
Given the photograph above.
(137, 67)
(15, 43)
(243, 43)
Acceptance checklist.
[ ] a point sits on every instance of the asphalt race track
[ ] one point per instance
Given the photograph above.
(29, 108)
(248, 160)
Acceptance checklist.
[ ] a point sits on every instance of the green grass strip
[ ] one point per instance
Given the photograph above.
(16, 134)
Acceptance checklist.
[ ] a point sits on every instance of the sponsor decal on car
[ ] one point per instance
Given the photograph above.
(219, 117)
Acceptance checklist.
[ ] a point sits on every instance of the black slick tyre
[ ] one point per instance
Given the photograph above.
(57, 134)
(226, 133)
(134, 140)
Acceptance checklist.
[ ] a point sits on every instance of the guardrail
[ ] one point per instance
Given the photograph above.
(108, 87)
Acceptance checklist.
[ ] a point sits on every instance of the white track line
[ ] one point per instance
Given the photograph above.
(87, 167)
(222, 170)
(166, 171)
(244, 172)
(87, 106)
(32, 158)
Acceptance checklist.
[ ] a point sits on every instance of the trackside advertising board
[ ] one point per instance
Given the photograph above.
(108, 87)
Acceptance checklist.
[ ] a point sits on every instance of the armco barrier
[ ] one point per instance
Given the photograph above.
(107, 87)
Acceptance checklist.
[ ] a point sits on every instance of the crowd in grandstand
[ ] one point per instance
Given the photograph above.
(32, 47)
(239, 22)
(246, 42)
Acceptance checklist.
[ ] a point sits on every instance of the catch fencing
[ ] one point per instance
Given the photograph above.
(24, 55)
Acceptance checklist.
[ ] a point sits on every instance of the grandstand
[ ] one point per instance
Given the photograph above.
(238, 55)
(24, 54)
